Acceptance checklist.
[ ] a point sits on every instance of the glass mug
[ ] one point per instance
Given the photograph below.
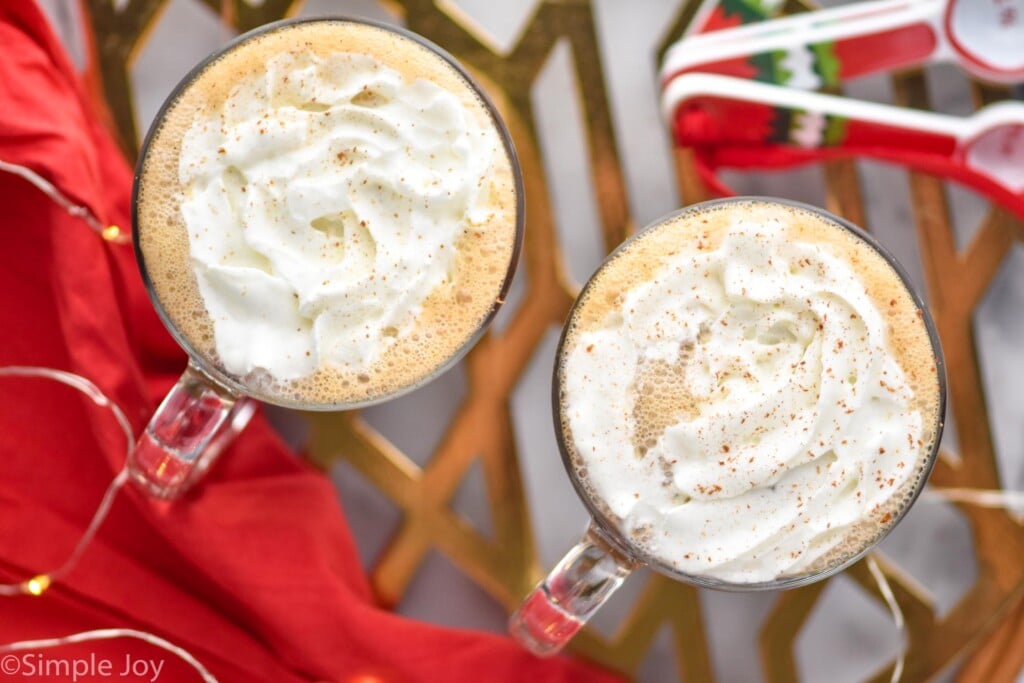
(584, 579)
(209, 405)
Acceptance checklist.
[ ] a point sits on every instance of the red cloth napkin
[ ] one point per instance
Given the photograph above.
(257, 575)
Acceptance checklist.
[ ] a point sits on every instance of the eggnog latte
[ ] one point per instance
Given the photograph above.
(328, 212)
(748, 392)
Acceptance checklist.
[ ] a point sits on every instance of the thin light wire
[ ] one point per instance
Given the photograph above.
(75, 382)
(94, 525)
(987, 498)
(109, 634)
(897, 614)
(81, 384)
(51, 191)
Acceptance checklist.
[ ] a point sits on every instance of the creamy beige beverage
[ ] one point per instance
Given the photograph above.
(327, 212)
(748, 392)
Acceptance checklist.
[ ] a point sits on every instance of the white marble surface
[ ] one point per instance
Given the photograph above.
(849, 636)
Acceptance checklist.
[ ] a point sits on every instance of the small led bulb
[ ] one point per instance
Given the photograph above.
(37, 585)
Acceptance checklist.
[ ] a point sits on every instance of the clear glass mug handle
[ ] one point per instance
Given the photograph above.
(193, 424)
(563, 602)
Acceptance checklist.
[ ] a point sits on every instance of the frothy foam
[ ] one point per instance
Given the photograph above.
(328, 212)
(749, 392)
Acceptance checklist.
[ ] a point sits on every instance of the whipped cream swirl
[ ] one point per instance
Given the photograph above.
(792, 421)
(324, 203)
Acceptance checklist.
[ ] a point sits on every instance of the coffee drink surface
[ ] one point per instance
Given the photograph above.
(327, 212)
(748, 393)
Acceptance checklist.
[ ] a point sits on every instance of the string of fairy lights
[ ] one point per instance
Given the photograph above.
(40, 583)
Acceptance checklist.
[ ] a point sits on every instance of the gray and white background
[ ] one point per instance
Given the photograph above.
(848, 636)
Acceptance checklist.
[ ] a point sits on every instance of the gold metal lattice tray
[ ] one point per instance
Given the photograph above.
(983, 633)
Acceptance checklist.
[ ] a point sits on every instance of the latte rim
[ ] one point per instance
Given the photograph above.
(610, 532)
(200, 360)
